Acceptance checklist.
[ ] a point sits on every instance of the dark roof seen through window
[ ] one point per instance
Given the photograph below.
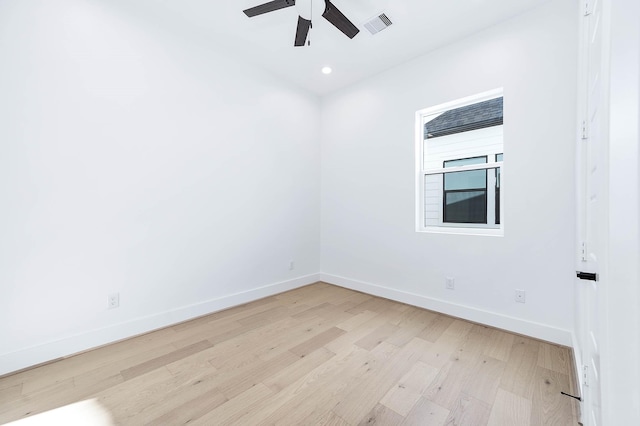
(463, 119)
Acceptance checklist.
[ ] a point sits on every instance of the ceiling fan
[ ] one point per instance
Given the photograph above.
(331, 14)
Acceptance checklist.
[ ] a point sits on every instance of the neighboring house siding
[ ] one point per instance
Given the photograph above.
(475, 143)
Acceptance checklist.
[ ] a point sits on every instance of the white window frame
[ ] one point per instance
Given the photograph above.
(421, 173)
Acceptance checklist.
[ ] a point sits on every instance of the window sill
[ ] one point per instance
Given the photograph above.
(488, 232)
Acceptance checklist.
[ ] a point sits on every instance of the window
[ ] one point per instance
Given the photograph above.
(465, 193)
(459, 160)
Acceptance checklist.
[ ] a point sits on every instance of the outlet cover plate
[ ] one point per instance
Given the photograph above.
(113, 301)
(450, 283)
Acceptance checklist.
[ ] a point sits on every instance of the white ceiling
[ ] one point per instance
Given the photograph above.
(266, 41)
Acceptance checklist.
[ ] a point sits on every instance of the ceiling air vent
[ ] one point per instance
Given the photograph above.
(377, 24)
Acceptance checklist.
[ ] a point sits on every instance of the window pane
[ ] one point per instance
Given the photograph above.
(472, 179)
(497, 190)
(465, 161)
(497, 206)
(465, 207)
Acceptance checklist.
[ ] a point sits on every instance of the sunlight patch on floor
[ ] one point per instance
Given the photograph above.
(84, 413)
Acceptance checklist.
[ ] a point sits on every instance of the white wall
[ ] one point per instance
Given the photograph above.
(135, 162)
(368, 201)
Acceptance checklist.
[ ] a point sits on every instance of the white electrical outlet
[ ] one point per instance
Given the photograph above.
(520, 296)
(292, 265)
(450, 283)
(113, 301)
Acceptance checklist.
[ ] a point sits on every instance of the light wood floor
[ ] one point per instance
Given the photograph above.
(318, 355)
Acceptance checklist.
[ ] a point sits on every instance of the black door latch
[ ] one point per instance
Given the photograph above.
(590, 276)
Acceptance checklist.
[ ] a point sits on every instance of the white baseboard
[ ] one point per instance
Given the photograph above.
(577, 359)
(505, 322)
(39, 354)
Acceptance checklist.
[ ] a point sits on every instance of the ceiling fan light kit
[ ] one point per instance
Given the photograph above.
(306, 13)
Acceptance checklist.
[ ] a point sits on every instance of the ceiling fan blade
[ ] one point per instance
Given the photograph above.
(333, 15)
(269, 7)
(302, 31)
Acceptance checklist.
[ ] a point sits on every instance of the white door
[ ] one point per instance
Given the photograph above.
(592, 209)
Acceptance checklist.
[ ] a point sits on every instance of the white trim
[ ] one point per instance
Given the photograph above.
(505, 322)
(481, 166)
(469, 229)
(31, 356)
(577, 359)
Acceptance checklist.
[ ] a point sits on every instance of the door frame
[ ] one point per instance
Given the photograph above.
(586, 311)
(620, 355)
(620, 273)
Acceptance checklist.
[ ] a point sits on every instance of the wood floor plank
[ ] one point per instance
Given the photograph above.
(459, 368)
(554, 357)
(483, 383)
(548, 406)
(272, 314)
(311, 295)
(118, 356)
(329, 418)
(199, 361)
(449, 383)
(230, 411)
(311, 311)
(357, 320)
(510, 409)
(191, 410)
(435, 328)
(197, 393)
(317, 341)
(436, 354)
(425, 412)
(134, 396)
(323, 387)
(59, 395)
(377, 336)
(498, 345)
(11, 393)
(161, 361)
(381, 415)
(298, 369)
(356, 297)
(254, 376)
(272, 338)
(320, 355)
(348, 340)
(228, 315)
(459, 328)
(273, 342)
(252, 329)
(356, 403)
(375, 304)
(407, 392)
(469, 411)
(410, 324)
(519, 373)
(208, 331)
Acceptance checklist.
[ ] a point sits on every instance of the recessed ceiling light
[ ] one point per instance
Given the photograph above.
(326, 70)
